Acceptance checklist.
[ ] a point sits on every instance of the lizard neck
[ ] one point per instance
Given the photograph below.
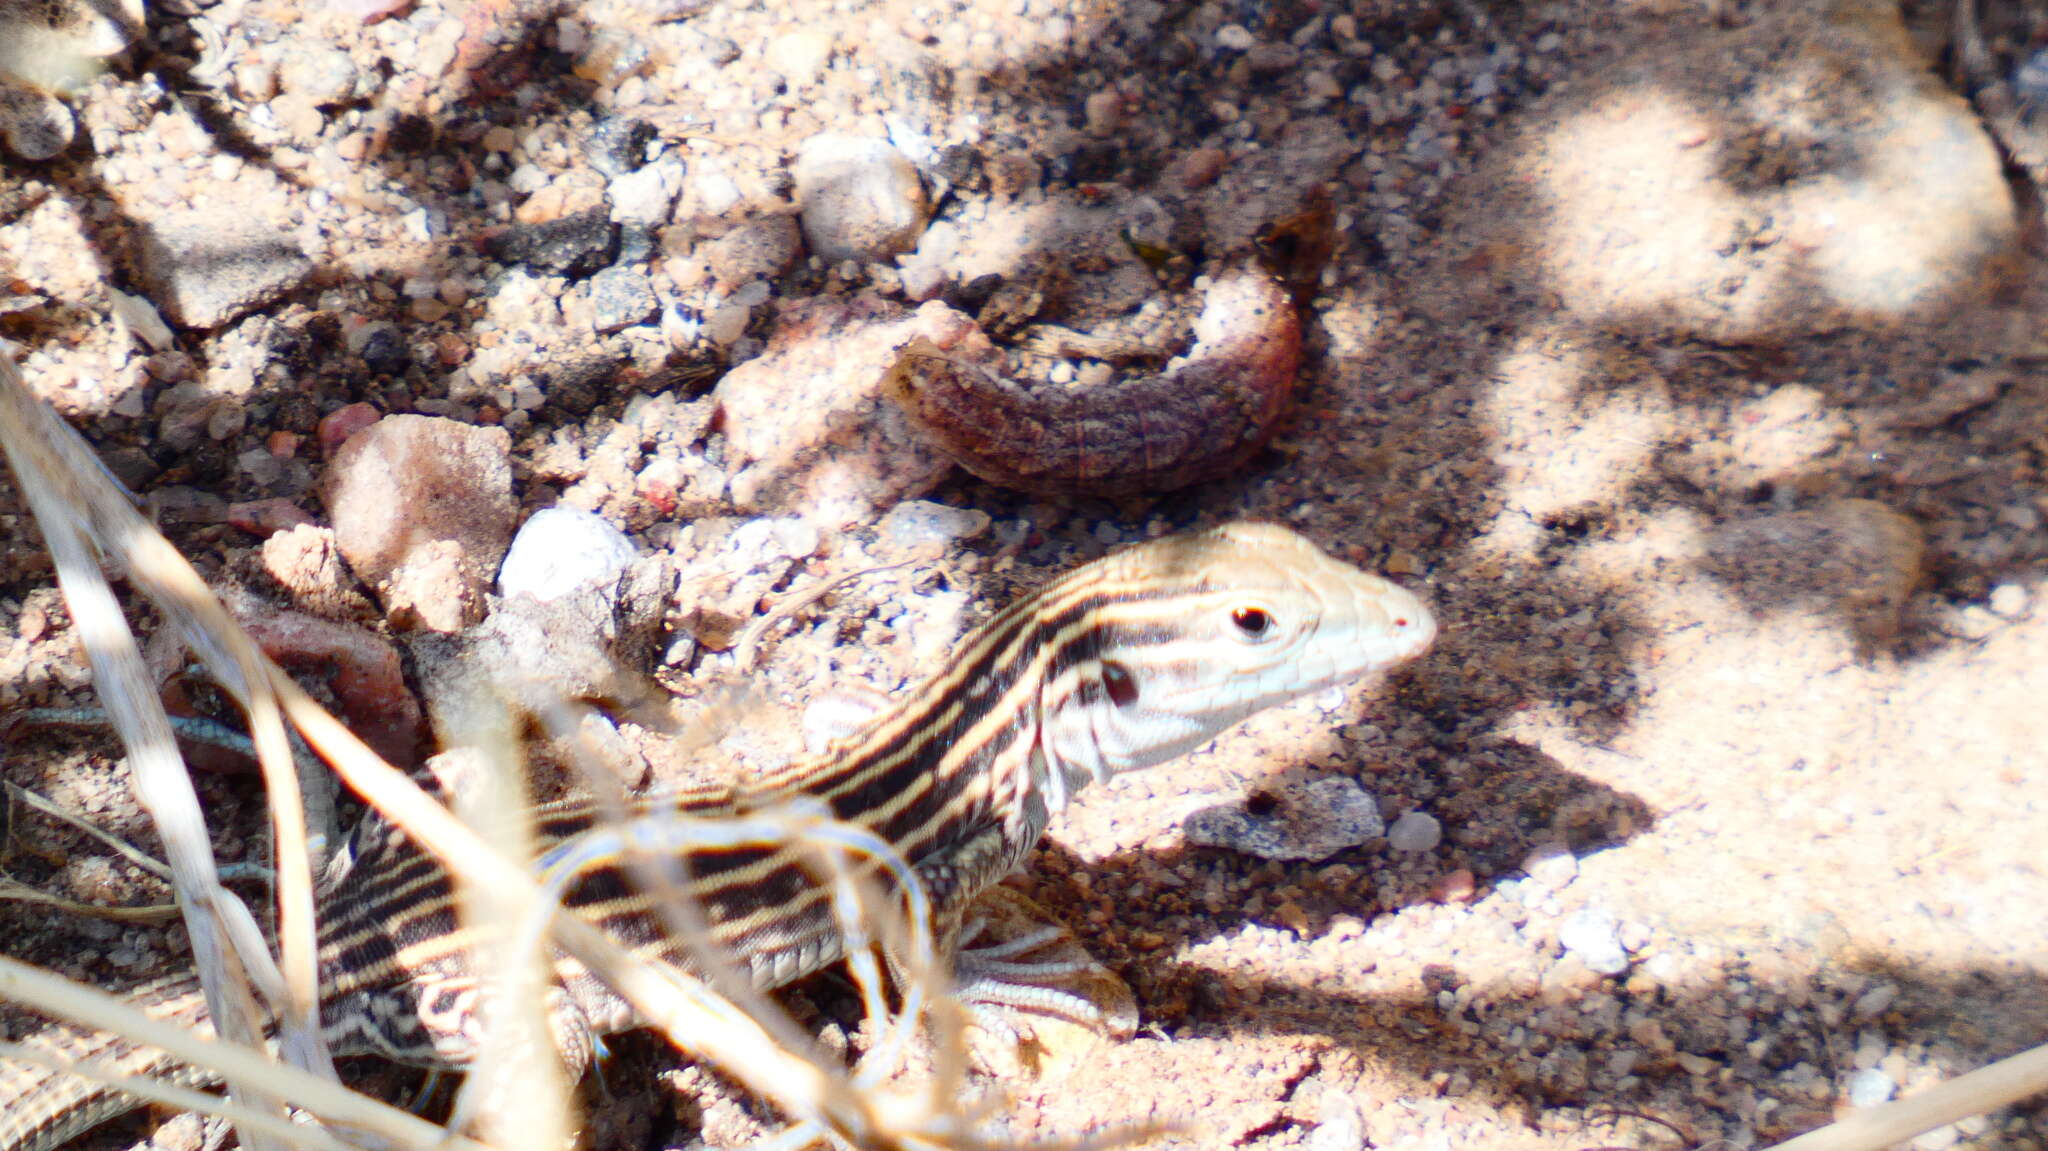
(961, 757)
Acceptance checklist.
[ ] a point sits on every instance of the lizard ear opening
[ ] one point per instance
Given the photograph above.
(1121, 685)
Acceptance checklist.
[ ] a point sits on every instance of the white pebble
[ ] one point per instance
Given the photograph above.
(645, 196)
(1234, 38)
(1870, 1087)
(2009, 601)
(716, 192)
(1876, 1001)
(1594, 935)
(918, 523)
(1415, 831)
(800, 57)
(562, 550)
(796, 537)
(1552, 866)
(758, 541)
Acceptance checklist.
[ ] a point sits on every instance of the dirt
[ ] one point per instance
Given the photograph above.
(1689, 357)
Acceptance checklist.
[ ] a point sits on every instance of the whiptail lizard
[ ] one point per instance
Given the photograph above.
(1123, 663)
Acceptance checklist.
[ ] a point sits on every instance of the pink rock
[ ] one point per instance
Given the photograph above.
(337, 426)
(427, 492)
(361, 668)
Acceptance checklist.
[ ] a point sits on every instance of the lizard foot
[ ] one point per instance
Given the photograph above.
(1029, 987)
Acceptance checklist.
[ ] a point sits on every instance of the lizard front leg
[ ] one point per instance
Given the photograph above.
(1009, 955)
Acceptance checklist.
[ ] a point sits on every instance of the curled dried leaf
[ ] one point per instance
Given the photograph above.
(1201, 417)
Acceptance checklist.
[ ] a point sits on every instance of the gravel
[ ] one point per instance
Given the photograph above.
(1687, 355)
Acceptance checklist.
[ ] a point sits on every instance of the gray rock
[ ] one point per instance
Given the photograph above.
(207, 266)
(35, 125)
(860, 198)
(573, 246)
(621, 297)
(618, 144)
(1293, 821)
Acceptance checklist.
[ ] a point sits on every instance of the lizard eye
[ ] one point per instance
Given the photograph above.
(1252, 622)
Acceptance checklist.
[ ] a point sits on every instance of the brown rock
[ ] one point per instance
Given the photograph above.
(267, 517)
(760, 249)
(430, 592)
(304, 560)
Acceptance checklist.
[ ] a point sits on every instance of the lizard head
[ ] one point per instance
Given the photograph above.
(1187, 635)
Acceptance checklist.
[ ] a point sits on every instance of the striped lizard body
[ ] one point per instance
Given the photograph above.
(1123, 663)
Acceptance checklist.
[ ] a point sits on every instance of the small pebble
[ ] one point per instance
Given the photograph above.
(574, 245)
(1870, 1087)
(760, 249)
(318, 75)
(1875, 1002)
(922, 523)
(1552, 866)
(860, 198)
(562, 550)
(1415, 831)
(618, 145)
(2009, 601)
(1103, 112)
(1594, 935)
(1267, 59)
(1234, 38)
(645, 195)
(620, 297)
(727, 323)
(800, 57)
(423, 504)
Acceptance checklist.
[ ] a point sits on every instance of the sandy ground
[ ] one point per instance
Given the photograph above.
(1690, 357)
